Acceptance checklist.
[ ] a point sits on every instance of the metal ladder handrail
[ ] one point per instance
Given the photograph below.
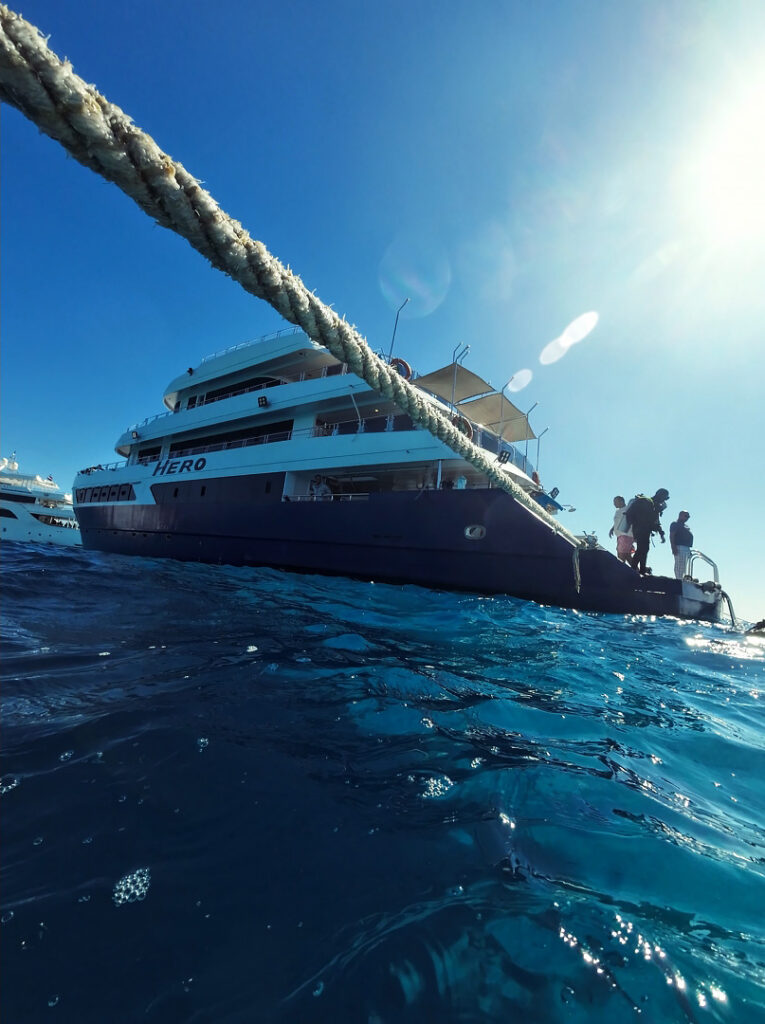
(705, 558)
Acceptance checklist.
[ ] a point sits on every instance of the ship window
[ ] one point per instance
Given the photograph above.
(113, 492)
(375, 424)
(202, 492)
(192, 402)
(175, 493)
(80, 494)
(124, 492)
(27, 499)
(241, 387)
(233, 439)
(7, 514)
(403, 422)
(149, 454)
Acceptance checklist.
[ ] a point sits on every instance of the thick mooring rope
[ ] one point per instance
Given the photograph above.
(103, 138)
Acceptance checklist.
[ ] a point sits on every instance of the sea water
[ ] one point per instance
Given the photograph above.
(246, 795)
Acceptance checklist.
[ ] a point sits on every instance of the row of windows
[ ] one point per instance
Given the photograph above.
(67, 524)
(28, 499)
(244, 387)
(233, 439)
(189, 489)
(115, 492)
(378, 424)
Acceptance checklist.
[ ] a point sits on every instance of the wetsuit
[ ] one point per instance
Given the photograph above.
(643, 517)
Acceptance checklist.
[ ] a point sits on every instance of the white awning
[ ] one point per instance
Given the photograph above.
(498, 414)
(453, 380)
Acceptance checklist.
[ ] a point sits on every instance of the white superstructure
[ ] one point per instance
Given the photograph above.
(33, 508)
(276, 453)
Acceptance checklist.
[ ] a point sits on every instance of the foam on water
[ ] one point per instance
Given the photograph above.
(234, 794)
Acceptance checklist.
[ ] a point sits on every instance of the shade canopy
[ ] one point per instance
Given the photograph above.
(453, 383)
(498, 414)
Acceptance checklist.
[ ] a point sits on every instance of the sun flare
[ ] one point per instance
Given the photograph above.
(724, 179)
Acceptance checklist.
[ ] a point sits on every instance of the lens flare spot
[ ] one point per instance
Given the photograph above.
(519, 380)
(418, 269)
(576, 331)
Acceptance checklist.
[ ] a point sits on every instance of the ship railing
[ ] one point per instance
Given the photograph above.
(335, 369)
(367, 425)
(107, 465)
(208, 400)
(254, 341)
(382, 424)
(359, 496)
(704, 558)
(243, 442)
(148, 420)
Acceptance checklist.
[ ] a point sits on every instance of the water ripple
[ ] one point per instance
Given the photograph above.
(365, 802)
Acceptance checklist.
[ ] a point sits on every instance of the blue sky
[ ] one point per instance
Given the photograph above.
(509, 166)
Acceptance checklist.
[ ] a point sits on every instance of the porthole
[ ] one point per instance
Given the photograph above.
(475, 532)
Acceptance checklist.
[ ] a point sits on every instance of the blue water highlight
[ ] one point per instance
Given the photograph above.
(247, 795)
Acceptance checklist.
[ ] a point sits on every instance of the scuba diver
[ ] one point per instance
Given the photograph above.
(642, 515)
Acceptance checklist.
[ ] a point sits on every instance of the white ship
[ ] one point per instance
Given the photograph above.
(274, 453)
(34, 509)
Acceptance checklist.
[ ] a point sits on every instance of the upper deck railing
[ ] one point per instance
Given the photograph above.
(285, 332)
(327, 371)
(148, 420)
(368, 425)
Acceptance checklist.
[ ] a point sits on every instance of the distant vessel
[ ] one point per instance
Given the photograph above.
(35, 509)
(274, 453)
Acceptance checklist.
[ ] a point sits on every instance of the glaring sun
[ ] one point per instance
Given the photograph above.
(724, 179)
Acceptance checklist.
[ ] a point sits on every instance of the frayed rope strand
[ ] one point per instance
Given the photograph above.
(102, 137)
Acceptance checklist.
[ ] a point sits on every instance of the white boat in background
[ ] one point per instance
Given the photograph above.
(33, 508)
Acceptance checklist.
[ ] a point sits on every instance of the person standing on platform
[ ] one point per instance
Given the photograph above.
(625, 542)
(643, 517)
(681, 541)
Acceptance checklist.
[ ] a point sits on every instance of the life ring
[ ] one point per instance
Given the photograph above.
(402, 367)
(463, 425)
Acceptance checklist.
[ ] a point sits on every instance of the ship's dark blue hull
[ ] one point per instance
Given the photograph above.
(477, 540)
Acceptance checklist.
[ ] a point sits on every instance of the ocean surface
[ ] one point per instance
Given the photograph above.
(235, 795)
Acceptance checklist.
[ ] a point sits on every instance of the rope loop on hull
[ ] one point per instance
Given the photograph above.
(102, 137)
